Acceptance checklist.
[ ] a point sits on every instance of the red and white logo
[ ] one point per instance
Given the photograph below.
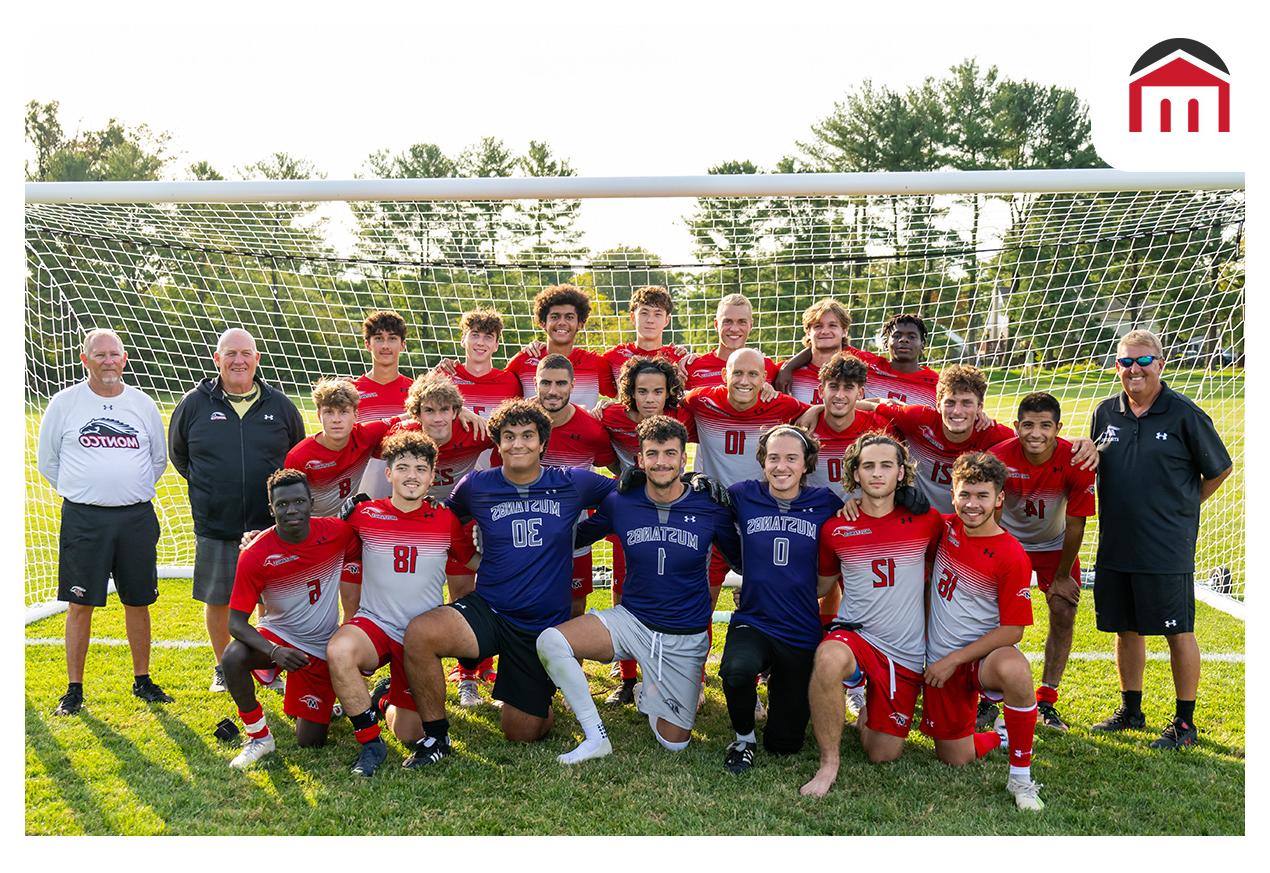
(1179, 85)
(312, 701)
(277, 560)
(318, 465)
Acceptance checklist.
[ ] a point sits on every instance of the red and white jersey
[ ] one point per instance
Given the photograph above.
(591, 376)
(332, 475)
(482, 394)
(887, 383)
(923, 429)
(402, 563)
(707, 371)
(1038, 498)
(727, 439)
(455, 459)
(617, 422)
(580, 442)
(619, 355)
(833, 444)
(977, 584)
(883, 567)
(806, 384)
(379, 400)
(298, 582)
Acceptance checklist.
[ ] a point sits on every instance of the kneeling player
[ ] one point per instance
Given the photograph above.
(295, 568)
(406, 542)
(666, 530)
(980, 599)
(883, 559)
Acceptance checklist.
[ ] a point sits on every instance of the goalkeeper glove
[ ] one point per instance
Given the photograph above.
(350, 503)
(701, 482)
(912, 499)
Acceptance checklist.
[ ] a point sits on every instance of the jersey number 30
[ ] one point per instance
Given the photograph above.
(525, 533)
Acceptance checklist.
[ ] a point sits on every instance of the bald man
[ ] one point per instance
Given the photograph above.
(226, 436)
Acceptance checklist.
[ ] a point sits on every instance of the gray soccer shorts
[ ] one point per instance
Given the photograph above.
(215, 563)
(670, 663)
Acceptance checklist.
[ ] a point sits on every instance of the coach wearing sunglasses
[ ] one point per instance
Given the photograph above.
(1161, 458)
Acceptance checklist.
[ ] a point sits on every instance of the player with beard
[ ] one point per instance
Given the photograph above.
(979, 602)
(667, 529)
(882, 559)
(295, 568)
(382, 391)
(562, 311)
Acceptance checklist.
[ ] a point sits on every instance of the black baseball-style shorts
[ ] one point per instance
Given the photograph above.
(522, 682)
(97, 542)
(1151, 604)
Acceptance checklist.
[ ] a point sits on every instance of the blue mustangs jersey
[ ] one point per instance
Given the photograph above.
(667, 549)
(780, 547)
(527, 539)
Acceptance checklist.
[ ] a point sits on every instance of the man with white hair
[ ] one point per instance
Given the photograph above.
(226, 436)
(101, 446)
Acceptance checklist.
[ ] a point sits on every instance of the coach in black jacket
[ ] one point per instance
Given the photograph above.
(226, 436)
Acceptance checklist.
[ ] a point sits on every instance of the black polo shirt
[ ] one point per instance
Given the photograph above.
(1149, 481)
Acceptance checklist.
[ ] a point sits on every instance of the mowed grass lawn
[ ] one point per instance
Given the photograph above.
(122, 767)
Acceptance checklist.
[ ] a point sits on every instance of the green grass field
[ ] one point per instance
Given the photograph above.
(122, 767)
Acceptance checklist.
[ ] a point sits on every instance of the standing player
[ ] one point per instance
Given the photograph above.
(651, 308)
(407, 542)
(1046, 503)
(562, 311)
(882, 558)
(980, 600)
(382, 391)
(776, 626)
(668, 530)
(526, 513)
(482, 385)
(733, 321)
(825, 326)
(334, 459)
(295, 567)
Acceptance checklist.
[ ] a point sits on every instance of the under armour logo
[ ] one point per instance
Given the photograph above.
(1172, 622)
(990, 553)
(268, 417)
(107, 406)
(690, 519)
(1160, 435)
(1018, 753)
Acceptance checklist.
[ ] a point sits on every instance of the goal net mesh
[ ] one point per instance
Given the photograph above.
(1033, 288)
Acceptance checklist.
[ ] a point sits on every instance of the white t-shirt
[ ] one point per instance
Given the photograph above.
(104, 451)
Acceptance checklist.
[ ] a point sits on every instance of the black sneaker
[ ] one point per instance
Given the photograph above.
(1122, 720)
(70, 704)
(372, 755)
(986, 716)
(740, 757)
(428, 751)
(1047, 716)
(1177, 735)
(378, 694)
(624, 694)
(150, 693)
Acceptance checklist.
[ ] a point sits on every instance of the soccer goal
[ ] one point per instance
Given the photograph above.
(1031, 275)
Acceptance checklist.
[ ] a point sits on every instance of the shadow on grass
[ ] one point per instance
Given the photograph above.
(75, 792)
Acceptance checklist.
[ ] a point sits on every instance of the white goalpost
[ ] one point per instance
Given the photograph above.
(1031, 275)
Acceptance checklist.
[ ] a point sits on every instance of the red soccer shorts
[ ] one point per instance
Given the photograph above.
(309, 694)
(948, 713)
(582, 576)
(718, 567)
(892, 690)
(453, 567)
(390, 652)
(619, 565)
(1045, 564)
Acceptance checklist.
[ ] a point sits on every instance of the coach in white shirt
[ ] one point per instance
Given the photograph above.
(103, 447)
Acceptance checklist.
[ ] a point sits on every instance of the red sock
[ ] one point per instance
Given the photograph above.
(463, 674)
(1046, 694)
(365, 735)
(629, 669)
(254, 723)
(1020, 725)
(986, 742)
(486, 666)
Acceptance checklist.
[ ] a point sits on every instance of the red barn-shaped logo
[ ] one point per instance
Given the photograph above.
(1179, 85)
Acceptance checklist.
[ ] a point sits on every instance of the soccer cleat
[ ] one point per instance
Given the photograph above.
(253, 750)
(379, 695)
(489, 676)
(70, 704)
(760, 711)
(218, 679)
(1026, 793)
(468, 695)
(999, 726)
(740, 757)
(1047, 716)
(624, 694)
(371, 756)
(427, 751)
(1176, 735)
(615, 671)
(856, 696)
(1121, 720)
(986, 715)
(150, 693)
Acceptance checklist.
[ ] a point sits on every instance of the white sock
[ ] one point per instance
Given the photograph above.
(748, 738)
(557, 659)
(586, 750)
(1021, 773)
(674, 747)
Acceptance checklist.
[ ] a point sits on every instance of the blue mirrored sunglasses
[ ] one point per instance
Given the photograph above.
(1141, 361)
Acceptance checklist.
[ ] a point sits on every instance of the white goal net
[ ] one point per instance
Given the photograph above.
(1032, 285)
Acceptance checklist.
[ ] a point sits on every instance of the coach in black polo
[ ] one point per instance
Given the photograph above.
(1161, 458)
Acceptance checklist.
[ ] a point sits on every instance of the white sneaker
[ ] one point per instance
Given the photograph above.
(760, 711)
(1027, 794)
(468, 695)
(856, 696)
(218, 679)
(999, 727)
(638, 691)
(253, 751)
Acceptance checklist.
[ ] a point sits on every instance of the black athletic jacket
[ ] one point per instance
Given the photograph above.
(226, 460)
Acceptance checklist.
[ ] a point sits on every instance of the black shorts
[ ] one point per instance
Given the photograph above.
(1151, 604)
(522, 682)
(101, 541)
(749, 651)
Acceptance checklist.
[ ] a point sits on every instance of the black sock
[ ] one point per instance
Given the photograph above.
(1132, 701)
(629, 684)
(141, 679)
(76, 687)
(363, 720)
(438, 729)
(1186, 711)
